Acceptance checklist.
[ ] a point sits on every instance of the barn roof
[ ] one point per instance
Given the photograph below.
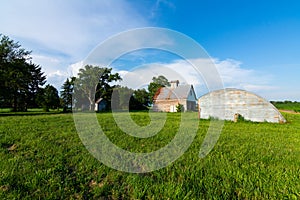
(168, 93)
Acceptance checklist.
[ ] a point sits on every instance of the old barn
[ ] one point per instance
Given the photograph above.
(167, 98)
(227, 104)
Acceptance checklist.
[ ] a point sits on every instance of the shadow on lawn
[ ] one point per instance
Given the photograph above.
(30, 113)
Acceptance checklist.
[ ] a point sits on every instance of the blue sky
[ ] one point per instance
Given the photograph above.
(255, 44)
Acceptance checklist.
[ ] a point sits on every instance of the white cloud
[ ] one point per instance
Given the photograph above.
(157, 7)
(53, 68)
(122, 72)
(130, 42)
(258, 88)
(74, 68)
(48, 63)
(142, 76)
(62, 32)
(58, 73)
(234, 76)
(230, 71)
(57, 78)
(70, 27)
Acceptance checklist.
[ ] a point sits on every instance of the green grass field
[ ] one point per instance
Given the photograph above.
(287, 105)
(42, 157)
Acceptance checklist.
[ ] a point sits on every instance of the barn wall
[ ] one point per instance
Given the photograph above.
(224, 104)
(191, 106)
(183, 102)
(165, 105)
(192, 95)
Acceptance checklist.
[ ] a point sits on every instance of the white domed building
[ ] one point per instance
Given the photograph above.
(227, 104)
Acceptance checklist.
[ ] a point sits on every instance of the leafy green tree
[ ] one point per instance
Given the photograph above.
(121, 97)
(66, 94)
(20, 79)
(48, 98)
(12, 73)
(161, 80)
(125, 98)
(93, 83)
(38, 79)
(115, 99)
(157, 82)
(141, 99)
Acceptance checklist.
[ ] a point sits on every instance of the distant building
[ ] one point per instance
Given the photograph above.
(227, 104)
(167, 98)
(100, 104)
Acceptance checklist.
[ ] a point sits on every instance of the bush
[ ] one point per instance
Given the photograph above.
(179, 108)
(239, 118)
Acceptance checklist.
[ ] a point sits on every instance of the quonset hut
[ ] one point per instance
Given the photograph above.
(227, 104)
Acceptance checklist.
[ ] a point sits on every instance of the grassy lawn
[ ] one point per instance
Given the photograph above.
(287, 105)
(42, 157)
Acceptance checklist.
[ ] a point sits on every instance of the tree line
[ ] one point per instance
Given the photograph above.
(22, 85)
(95, 83)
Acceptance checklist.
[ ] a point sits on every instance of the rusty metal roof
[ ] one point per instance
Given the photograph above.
(180, 92)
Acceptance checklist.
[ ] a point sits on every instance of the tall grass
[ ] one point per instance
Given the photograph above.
(42, 157)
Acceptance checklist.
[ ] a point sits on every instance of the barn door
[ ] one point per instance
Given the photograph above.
(172, 108)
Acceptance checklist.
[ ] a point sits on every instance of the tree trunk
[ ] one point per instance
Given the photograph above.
(92, 105)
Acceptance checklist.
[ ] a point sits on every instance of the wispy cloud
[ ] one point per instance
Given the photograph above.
(74, 68)
(57, 78)
(70, 27)
(230, 71)
(157, 7)
(63, 32)
(235, 76)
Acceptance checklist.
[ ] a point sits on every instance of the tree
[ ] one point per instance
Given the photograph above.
(161, 80)
(48, 98)
(141, 100)
(12, 76)
(66, 94)
(20, 79)
(157, 82)
(121, 97)
(38, 79)
(93, 83)
(125, 98)
(179, 108)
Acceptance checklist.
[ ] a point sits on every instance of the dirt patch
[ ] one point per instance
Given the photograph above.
(4, 188)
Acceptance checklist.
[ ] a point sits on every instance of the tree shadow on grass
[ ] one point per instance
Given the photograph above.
(30, 113)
